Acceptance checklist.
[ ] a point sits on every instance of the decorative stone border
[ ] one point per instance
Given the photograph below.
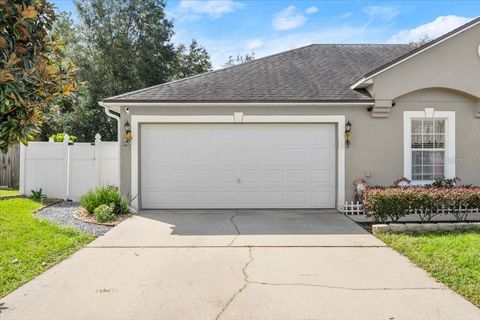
(424, 227)
(82, 215)
(50, 202)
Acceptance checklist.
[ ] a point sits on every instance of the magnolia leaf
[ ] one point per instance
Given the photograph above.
(29, 13)
(3, 42)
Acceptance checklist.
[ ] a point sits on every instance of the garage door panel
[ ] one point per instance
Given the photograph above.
(238, 166)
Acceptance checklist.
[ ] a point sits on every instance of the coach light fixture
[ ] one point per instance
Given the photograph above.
(348, 132)
(128, 134)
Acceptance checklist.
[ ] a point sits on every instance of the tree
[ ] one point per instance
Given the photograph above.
(239, 59)
(119, 46)
(60, 119)
(31, 79)
(420, 42)
(191, 61)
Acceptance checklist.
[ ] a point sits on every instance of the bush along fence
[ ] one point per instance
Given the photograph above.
(393, 203)
(67, 170)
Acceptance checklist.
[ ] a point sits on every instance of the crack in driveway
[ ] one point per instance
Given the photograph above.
(344, 288)
(245, 280)
(232, 219)
(300, 284)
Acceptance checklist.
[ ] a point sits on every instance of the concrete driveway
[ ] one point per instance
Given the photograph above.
(245, 264)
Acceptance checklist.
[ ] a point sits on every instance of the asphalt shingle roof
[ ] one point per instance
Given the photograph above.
(317, 72)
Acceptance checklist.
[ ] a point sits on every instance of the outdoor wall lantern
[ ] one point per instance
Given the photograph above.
(348, 132)
(128, 134)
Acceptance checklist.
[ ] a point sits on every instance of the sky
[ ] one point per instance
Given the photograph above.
(263, 27)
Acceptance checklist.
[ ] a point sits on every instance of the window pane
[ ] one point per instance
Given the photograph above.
(427, 172)
(416, 126)
(416, 141)
(440, 141)
(439, 172)
(440, 126)
(428, 141)
(417, 158)
(417, 173)
(427, 157)
(439, 157)
(427, 126)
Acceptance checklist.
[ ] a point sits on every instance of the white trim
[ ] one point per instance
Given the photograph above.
(339, 120)
(232, 104)
(353, 86)
(449, 142)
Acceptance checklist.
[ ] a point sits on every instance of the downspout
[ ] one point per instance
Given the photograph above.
(109, 113)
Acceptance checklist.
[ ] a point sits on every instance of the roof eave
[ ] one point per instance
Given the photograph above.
(161, 103)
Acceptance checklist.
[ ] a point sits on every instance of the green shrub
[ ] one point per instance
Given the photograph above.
(104, 195)
(58, 137)
(39, 196)
(393, 203)
(386, 203)
(104, 213)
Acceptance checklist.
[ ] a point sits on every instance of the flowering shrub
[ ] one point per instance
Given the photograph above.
(393, 203)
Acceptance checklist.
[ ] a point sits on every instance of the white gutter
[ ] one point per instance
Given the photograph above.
(232, 104)
(109, 113)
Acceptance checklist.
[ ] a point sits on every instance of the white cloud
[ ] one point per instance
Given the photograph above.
(344, 15)
(289, 18)
(311, 10)
(194, 9)
(221, 49)
(254, 44)
(381, 12)
(433, 29)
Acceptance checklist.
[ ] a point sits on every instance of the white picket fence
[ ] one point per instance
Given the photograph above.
(66, 170)
(355, 211)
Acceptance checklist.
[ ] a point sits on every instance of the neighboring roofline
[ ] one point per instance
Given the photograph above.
(176, 103)
(416, 51)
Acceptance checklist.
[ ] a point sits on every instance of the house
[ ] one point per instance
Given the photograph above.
(271, 133)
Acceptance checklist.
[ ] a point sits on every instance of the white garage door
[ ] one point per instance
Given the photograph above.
(237, 166)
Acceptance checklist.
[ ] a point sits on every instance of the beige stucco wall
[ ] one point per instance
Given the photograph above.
(376, 144)
(454, 64)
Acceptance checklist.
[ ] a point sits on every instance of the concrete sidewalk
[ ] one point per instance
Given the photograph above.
(236, 265)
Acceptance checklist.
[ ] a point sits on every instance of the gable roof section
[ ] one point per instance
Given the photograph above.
(414, 52)
(315, 73)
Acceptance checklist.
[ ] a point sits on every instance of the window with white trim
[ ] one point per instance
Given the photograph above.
(429, 146)
(428, 149)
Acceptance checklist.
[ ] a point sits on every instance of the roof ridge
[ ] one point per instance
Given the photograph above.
(206, 73)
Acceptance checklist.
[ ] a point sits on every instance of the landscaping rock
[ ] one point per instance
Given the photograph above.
(462, 226)
(398, 227)
(446, 226)
(380, 228)
(62, 214)
(414, 227)
(474, 226)
(430, 227)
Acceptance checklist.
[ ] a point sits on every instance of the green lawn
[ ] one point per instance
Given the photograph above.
(451, 257)
(29, 246)
(8, 192)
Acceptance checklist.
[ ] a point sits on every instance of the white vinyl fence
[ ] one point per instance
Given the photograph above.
(68, 170)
